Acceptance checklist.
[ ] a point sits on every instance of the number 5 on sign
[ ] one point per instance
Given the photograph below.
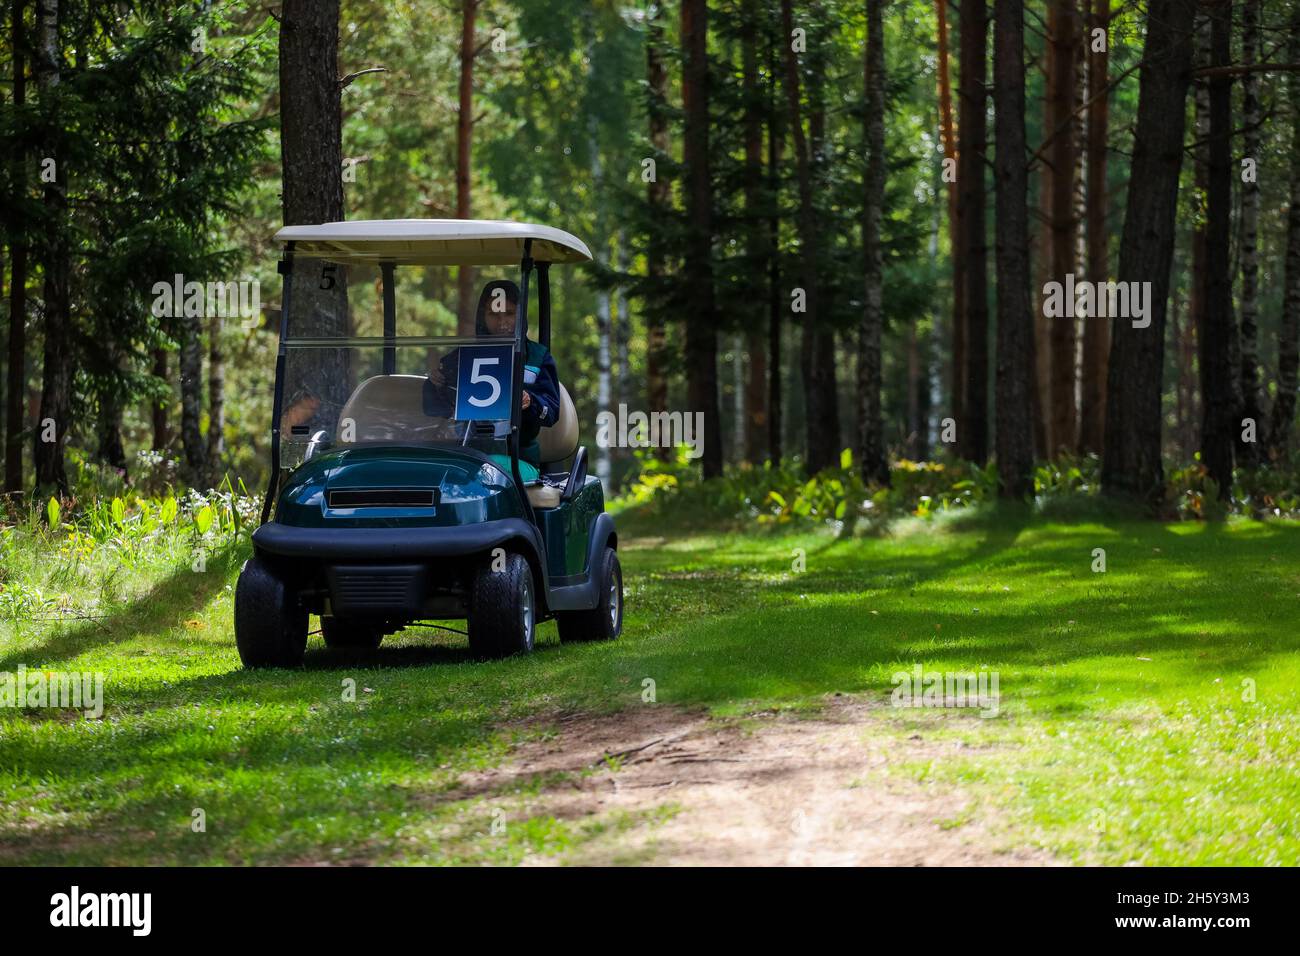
(483, 379)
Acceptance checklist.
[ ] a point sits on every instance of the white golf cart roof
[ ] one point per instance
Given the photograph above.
(434, 241)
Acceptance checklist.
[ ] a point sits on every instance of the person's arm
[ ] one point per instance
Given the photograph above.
(543, 407)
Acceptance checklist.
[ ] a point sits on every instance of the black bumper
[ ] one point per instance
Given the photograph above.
(385, 544)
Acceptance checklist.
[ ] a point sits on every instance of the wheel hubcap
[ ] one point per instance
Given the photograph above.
(526, 612)
(613, 600)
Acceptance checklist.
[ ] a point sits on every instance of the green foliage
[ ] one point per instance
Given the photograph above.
(1272, 491)
(784, 494)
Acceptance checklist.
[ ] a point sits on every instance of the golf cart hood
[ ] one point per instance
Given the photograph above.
(386, 486)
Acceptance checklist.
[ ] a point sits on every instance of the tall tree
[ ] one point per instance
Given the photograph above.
(1288, 362)
(216, 399)
(191, 369)
(756, 392)
(701, 326)
(1131, 465)
(1096, 334)
(311, 155)
(1061, 130)
(1200, 156)
(56, 384)
(1251, 391)
(871, 429)
(1220, 404)
(1015, 334)
(16, 379)
(948, 135)
(972, 131)
(821, 411)
(658, 198)
(775, 305)
(464, 155)
(158, 412)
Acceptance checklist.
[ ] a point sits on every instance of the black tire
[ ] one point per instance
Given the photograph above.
(503, 609)
(604, 622)
(350, 635)
(270, 626)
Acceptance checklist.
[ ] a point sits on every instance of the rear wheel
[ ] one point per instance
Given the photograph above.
(503, 609)
(270, 626)
(351, 635)
(604, 622)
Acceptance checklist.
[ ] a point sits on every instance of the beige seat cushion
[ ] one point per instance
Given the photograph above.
(543, 496)
(560, 440)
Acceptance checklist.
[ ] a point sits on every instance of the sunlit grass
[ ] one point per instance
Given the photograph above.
(1126, 729)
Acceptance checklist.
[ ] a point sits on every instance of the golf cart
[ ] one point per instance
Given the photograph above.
(398, 493)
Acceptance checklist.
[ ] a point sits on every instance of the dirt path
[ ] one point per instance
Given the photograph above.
(797, 791)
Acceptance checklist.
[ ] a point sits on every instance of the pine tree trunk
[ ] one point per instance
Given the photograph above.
(1251, 392)
(701, 325)
(311, 151)
(1282, 432)
(973, 427)
(1096, 332)
(110, 449)
(56, 383)
(602, 377)
(873, 465)
(738, 390)
(191, 368)
(216, 399)
(1220, 408)
(815, 453)
(1060, 25)
(16, 379)
(658, 197)
(1200, 155)
(1041, 263)
(775, 305)
(1015, 349)
(1131, 465)
(755, 396)
(623, 325)
(957, 373)
(468, 302)
(604, 320)
(161, 436)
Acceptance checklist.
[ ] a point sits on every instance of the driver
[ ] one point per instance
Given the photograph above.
(498, 310)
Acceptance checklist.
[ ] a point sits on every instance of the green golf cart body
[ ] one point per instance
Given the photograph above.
(397, 492)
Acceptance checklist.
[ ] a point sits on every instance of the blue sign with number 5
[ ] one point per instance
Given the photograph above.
(484, 376)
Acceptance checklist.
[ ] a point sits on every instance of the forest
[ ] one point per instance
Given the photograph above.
(825, 226)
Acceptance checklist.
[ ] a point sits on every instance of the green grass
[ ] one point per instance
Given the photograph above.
(1122, 734)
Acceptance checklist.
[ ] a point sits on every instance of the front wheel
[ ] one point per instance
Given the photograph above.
(503, 609)
(604, 622)
(270, 626)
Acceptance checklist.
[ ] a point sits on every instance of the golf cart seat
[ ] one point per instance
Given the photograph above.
(384, 407)
(557, 442)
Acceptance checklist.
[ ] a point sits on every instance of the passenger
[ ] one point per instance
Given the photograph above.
(498, 310)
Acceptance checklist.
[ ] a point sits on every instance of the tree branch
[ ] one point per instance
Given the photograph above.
(346, 81)
(1241, 69)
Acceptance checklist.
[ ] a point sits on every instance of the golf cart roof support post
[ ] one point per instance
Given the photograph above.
(390, 318)
(544, 304)
(285, 268)
(521, 346)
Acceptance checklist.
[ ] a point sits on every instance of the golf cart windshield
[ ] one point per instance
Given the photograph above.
(349, 381)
